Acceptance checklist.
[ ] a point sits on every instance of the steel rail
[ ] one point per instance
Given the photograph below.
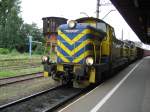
(28, 97)
(24, 78)
(83, 91)
(19, 76)
(52, 106)
(19, 67)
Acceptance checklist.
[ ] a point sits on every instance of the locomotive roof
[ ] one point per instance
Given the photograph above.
(54, 18)
(80, 26)
(91, 18)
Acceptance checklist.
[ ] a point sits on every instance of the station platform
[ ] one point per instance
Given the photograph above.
(128, 91)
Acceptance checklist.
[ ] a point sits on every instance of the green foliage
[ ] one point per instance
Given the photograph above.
(4, 51)
(32, 30)
(13, 32)
(10, 23)
(39, 50)
(14, 52)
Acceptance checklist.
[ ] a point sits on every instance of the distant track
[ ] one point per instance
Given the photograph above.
(19, 67)
(20, 78)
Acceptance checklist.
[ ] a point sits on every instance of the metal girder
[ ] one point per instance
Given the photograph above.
(137, 15)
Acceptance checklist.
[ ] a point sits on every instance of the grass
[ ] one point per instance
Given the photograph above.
(11, 73)
(19, 60)
(19, 56)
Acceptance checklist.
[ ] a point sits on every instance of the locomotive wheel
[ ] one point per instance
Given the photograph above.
(55, 76)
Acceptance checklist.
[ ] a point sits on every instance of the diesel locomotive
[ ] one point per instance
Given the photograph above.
(87, 50)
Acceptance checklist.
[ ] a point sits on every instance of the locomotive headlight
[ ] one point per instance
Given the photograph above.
(89, 61)
(71, 24)
(44, 58)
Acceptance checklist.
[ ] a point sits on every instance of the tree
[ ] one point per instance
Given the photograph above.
(32, 30)
(13, 32)
(10, 23)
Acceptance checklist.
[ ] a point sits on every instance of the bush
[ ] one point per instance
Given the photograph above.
(39, 50)
(4, 51)
(14, 52)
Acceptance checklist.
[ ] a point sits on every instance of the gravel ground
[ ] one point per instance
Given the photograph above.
(15, 91)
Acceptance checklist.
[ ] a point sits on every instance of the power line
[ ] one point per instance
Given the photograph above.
(99, 4)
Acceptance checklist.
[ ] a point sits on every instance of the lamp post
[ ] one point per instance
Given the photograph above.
(97, 8)
(30, 45)
(108, 14)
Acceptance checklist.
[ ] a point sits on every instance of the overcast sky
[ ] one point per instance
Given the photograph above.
(35, 10)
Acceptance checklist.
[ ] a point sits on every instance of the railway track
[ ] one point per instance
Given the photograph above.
(45, 101)
(15, 79)
(19, 67)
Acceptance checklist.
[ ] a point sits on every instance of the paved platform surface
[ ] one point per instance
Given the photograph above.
(129, 91)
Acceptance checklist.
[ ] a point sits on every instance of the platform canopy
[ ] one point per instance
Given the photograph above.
(137, 15)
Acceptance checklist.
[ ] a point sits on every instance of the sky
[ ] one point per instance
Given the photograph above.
(35, 10)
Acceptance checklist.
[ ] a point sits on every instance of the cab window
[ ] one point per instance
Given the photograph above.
(113, 33)
(90, 24)
(101, 26)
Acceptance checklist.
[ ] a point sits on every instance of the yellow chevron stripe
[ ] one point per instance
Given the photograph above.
(83, 44)
(75, 50)
(61, 45)
(75, 39)
(83, 55)
(62, 57)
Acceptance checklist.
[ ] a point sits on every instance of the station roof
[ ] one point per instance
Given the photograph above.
(137, 15)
